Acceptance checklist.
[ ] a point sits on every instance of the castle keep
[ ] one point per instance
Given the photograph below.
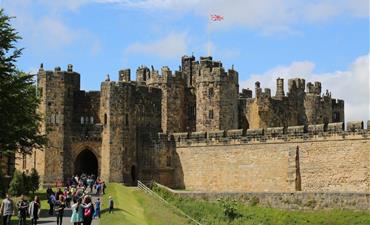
(193, 129)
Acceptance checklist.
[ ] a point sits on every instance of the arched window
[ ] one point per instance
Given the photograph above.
(210, 114)
(82, 120)
(91, 120)
(105, 119)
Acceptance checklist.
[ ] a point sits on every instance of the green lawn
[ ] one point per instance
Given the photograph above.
(212, 213)
(133, 207)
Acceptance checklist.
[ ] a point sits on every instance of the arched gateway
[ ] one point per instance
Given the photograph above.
(86, 162)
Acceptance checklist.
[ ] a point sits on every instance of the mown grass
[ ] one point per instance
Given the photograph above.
(133, 207)
(212, 213)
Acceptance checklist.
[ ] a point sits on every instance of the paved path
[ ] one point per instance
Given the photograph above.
(52, 220)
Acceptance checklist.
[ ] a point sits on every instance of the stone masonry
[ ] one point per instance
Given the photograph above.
(165, 125)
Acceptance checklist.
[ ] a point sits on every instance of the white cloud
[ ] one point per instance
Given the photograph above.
(48, 31)
(351, 85)
(171, 46)
(269, 16)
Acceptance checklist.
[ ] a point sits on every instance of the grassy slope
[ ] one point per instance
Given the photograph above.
(212, 213)
(134, 207)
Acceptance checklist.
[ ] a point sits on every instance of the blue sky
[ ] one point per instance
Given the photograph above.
(325, 40)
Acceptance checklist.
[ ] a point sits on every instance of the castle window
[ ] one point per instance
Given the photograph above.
(58, 118)
(69, 92)
(82, 120)
(210, 114)
(105, 119)
(210, 92)
(126, 119)
(91, 120)
(336, 117)
(24, 162)
(34, 159)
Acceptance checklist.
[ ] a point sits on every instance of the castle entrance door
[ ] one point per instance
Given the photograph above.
(87, 163)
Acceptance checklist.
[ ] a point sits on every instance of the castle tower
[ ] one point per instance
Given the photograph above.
(188, 69)
(296, 97)
(216, 97)
(56, 89)
(279, 88)
(124, 75)
(142, 74)
(173, 99)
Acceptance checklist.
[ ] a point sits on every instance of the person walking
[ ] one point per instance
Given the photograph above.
(59, 209)
(104, 187)
(77, 212)
(89, 210)
(97, 208)
(34, 210)
(51, 201)
(7, 209)
(111, 204)
(22, 210)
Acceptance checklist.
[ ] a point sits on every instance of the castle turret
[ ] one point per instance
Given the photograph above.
(124, 75)
(279, 88)
(188, 69)
(216, 97)
(142, 74)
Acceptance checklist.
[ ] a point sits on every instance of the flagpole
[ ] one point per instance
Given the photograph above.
(208, 39)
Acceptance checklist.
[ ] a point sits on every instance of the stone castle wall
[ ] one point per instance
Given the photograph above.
(313, 161)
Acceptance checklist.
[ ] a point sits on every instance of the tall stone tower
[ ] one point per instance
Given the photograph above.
(296, 94)
(173, 98)
(56, 89)
(216, 97)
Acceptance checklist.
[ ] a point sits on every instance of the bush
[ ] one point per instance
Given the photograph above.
(17, 184)
(230, 209)
(22, 183)
(35, 180)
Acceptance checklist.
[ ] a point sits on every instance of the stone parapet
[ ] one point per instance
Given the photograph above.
(275, 134)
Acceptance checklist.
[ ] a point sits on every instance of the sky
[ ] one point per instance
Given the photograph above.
(324, 40)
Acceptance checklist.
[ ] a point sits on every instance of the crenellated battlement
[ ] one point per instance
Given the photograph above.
(214, 72)
(273, 134)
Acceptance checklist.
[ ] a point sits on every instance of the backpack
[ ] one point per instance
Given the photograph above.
(90, 211)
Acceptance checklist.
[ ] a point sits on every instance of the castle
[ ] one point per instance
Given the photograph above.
(191, 129)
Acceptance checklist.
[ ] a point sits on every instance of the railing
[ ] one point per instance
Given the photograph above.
(147, 190)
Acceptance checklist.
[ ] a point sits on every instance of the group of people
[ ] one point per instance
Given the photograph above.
(7, 209)
(76, 195)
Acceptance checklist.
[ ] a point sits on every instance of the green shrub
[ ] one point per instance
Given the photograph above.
(35, 180)
(27, 185)
(16, 186)
(229, 209)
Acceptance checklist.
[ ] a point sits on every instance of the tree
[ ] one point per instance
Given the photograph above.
(17, 184)
(35, 180)
(19, 119)
(2, 188)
